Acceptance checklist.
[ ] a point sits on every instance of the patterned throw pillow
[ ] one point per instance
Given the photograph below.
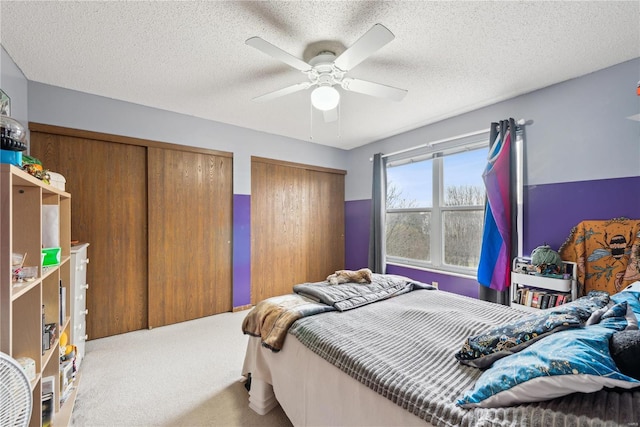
(575, 360)
(482, 350)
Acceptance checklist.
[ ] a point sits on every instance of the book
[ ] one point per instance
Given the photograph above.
(552, 300)
(560, 300)
(545, 301)
(529, 297)
(535, 300)
(517, 297)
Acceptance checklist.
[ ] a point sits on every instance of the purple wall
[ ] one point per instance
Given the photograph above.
(552, 210)
(446, 282)
(357, 221)
(241, 250)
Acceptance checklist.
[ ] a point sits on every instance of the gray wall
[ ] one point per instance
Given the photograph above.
(14, 84)
(580, 131)
(62, 107)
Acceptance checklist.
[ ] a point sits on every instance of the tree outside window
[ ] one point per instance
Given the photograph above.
(435, 211)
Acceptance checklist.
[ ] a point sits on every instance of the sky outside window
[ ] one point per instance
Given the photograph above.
(461, 169)
(413, 180)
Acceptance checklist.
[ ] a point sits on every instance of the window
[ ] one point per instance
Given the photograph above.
(435, 207)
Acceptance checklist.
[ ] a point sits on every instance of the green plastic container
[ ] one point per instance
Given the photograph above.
(50, 256)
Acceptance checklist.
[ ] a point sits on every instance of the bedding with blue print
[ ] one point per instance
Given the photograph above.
(576, 360)
(482, 350)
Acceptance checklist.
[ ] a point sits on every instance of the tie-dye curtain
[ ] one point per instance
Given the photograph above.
(499, 232)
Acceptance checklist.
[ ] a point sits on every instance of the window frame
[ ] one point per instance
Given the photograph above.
(436, 236)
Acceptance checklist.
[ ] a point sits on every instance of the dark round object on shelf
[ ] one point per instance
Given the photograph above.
(10, 144)
(625, 351)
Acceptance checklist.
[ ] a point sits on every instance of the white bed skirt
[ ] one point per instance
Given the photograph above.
(312, 392)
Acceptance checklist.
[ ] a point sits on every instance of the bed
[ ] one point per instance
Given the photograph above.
(419, 356)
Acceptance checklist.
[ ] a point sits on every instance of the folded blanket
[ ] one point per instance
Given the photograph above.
(270, 319)
(352, 295)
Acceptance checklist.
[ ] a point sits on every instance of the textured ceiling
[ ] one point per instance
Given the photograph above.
(191, 57)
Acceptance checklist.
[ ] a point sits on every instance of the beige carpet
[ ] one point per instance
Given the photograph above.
(188, 374)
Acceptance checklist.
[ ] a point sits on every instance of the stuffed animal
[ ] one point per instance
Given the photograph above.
(349, 276)
(67, 351)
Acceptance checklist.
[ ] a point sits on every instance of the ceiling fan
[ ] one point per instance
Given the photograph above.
(325, 70)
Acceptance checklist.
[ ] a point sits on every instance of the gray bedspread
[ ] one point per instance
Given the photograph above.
(404, 347)
(352, 295)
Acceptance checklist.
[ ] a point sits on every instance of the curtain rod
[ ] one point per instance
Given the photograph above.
(520, 122)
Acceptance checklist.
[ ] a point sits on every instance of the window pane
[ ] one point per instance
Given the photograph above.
(409, 185)
(408, 235)
(463, 185)
(462, 237)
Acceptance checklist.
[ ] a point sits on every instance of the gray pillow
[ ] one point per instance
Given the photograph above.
(625, 351)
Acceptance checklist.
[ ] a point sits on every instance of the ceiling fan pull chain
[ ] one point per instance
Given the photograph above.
(310, 122)
(339, 120)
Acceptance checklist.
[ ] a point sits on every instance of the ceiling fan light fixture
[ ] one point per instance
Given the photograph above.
(325, 98)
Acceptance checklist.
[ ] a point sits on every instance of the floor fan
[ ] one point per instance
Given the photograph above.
(15, 393)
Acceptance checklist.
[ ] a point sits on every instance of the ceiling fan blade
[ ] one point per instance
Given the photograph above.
(284, 91)
(373, 89)
(274, 51)
(330, 115)
(372, 40)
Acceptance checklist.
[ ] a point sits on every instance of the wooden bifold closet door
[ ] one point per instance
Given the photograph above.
(189, 235)
(158, 218)
(297, 225)
(108, 210)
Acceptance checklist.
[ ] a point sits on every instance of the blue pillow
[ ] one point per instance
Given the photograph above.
(619, 317)
(574, 360)
(631, 297)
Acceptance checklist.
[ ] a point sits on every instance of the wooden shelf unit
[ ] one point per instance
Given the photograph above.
(22, 303)
(568, 286)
